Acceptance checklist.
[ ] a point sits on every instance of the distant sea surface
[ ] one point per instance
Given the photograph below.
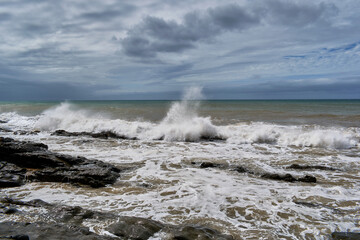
(165, 182)
(322, 112)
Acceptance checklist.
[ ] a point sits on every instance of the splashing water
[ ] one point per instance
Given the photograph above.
(182, 122)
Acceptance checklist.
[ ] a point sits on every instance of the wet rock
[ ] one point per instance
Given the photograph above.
(345, 236)
(5, 130)
(288, 178)
(317, 205)
(141, 229)
(42, 230)
(310, 167)
(199, 233)
(10, 211)
(271, 176)
(21, 132)
(135, 228)
(275, 176)
(103, 135)
(11, 175)
(126, 227)
(39, 164)
(211, 165)
(8, 181)
(241, 169)
(307, 178)
(73, 215)
(208, 165)
(17, 237)
(212, 138)
(87, 175)
(308, 204)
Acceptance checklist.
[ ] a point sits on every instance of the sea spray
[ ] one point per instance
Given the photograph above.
(182, 122)
(300, 136)
(68, 116)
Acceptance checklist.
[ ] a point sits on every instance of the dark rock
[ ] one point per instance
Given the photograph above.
(88, 175)
(10, 180)
(212, 138)
(308, 204)
(11, 175)
(18, 157)
(241, 169)
(68, 217)
(288, 178)
(207, 165)
(211, 165)
(345, 236)
(20, 237)
(2, 121)
(199, 232)
(135, 228)
(5, 130)
(274, 176)
(11, 211)
(103, 135)
(42, 231)
(307, 178)
(20, 132)
(311, 167)
(317, 205)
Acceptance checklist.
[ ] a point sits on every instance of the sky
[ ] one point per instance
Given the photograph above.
(154, 49)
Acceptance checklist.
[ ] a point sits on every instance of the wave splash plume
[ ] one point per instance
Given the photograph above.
(182, 122)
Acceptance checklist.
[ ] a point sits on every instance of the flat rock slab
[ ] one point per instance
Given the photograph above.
(46, 231)
(345, 236)
(33, 160)
(73, 217)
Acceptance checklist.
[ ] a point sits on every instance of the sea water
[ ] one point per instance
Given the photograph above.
(163, 183)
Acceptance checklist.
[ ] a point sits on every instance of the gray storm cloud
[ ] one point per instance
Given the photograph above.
(156, 35)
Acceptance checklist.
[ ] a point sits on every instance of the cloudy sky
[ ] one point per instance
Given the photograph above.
(153, 49)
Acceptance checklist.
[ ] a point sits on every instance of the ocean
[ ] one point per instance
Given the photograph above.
(165, 142)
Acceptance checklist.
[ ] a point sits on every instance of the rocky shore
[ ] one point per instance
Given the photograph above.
(22, 162)
(27, 161)
(58, 222)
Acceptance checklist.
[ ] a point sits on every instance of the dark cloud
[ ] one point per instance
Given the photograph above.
(5, 16)
(233, 17)
(49, 52)
(298, 14)
(109, 13)
(35, 29)
(155, 35)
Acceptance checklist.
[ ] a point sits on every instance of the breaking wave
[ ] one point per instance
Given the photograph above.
(182, 123)
(300, 136)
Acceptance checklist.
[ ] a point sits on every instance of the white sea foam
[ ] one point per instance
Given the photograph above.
(301, 136)
(182, 123)
(16, 121)
(179, 191)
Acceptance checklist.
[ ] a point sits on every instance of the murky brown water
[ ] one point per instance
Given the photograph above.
(161, 182)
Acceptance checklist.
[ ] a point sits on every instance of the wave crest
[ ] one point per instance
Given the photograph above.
(300, 136)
